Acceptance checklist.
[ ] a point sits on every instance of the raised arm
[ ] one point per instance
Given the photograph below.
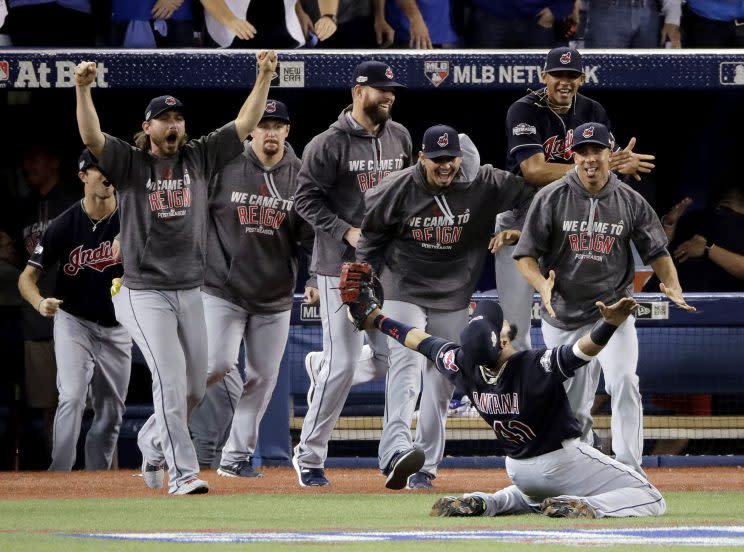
(253, 108)
(87, 118)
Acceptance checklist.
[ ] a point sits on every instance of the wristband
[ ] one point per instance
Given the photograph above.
(39, 305)
(602, 332)
(393, 328)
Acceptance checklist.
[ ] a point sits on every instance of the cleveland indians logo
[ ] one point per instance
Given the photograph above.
(449, 361)
(565, 59)
(389, 73)
(270, 106)
(98, 259)
(588, 132)
(443, 140)
(170, 100)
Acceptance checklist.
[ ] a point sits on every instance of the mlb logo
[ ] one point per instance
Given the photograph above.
(436, 71)
(4, 71)
(732, 72)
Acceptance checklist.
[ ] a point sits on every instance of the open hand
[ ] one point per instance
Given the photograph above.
(546, 292)
(616, 313)
(505, 237)
(675, 294)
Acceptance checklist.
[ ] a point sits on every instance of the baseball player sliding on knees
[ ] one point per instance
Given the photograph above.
(91, 348)
(521, 396)
(162, 185)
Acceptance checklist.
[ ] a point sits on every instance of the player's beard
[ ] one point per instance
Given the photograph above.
(271, 148)
(165, 146)
(377, 114)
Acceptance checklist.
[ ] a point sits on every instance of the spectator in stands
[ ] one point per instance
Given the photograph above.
(708, 245)
(632, 23)
(48, 197)
(517, 23)
(361, 23)
(258, 24)
(152, 23)
(714, 24)
(422, 24)
(51, 23)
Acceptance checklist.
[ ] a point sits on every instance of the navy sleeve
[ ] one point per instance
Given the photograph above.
(443, 354)
(46, 253)
(523, 136)
(564, 359)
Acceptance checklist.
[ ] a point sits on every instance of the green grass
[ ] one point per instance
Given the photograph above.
(37, 525)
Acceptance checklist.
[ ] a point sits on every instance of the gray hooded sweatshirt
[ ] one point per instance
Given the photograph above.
(429, 245)
(339, 166)
(255, 235)
(586, 239)
(163, 207)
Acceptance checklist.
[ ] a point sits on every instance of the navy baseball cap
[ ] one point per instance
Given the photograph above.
(563, 59)
(441, 141)
(480, 342)
(491, 311)
(376, 74)
(87, 160)
(275, 110)
(161, 104)
(592, 133)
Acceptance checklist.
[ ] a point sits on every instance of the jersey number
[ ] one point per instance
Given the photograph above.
(514, 431)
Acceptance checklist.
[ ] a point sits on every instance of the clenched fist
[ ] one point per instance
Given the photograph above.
(85, 73)
(266, 60)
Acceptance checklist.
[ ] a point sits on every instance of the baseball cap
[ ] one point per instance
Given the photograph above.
(592, 133)
(87, 160)
(491, 311)
(376, 74)
(480, 343)
(275, 110)
(563, 59)
(440, 141)
(161, 104)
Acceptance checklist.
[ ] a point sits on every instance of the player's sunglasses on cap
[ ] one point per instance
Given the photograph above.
(376, 74)
(275, 110)
(161, 104)
(563, 59)
(592, 133)
(87, 160)
(441, 141)
(480, 343)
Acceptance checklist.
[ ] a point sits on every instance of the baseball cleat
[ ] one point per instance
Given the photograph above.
(244, 468)
(452, 506)
(192, 487)
(310, 477)
(152, 474)
(403, 464)
(420, 481)
(567, 508)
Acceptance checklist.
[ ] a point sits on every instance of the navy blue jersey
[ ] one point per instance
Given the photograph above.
(86, 264)
(532, 127)
(526, 404)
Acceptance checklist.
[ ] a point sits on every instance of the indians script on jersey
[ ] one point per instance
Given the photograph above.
(559, 149)
(169, 197)
(98, 258)
(594, 245)
(261, 213)
(440, 228)
(369, 172)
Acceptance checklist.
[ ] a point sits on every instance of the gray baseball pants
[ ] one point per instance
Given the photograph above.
(89, 355)
(575, 471)
(230, 404)
(404, 383)
(341, 349)
(618, 361)
(169, 329)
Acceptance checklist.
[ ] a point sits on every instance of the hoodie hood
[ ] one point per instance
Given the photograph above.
(574, 182)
